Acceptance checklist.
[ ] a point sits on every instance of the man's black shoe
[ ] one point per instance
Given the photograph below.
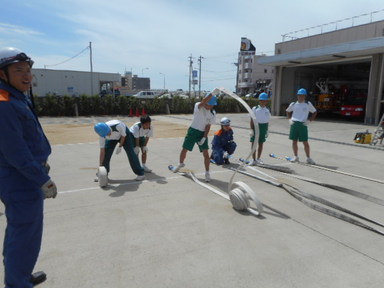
(38, 277)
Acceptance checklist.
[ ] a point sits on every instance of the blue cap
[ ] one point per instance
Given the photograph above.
(302, 91)
(263, 96)
(212, 101)
(102, 129)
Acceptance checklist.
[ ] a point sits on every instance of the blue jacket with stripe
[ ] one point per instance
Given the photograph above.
(23, 144)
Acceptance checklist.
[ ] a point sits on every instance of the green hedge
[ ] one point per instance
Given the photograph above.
(51, 105)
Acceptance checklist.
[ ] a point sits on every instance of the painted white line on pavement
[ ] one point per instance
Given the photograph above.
(134, 182)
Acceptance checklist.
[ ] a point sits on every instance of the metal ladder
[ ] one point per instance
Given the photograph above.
(379, 132)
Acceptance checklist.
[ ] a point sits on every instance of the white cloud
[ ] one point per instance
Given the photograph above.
(17, 31)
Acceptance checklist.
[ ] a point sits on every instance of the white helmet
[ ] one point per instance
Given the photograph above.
(225, 121)
(11, 55)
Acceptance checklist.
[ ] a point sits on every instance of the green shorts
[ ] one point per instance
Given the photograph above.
(299, 132)
(193, 136)
(263, 133)
(142, 141)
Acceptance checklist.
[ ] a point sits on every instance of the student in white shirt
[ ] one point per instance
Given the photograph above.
(263, 116)
(141, 131)
(115, 132)
(297, 113)
(203, 117)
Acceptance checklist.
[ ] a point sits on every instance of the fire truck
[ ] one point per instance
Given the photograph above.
(346, 98)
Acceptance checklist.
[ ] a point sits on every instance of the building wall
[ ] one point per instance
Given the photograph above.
(366, 31)
(250, 74)
(66, 82)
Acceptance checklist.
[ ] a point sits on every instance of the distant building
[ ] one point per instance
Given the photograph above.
(67, 82)
(140, 83)
(251, 76)
(130, 84)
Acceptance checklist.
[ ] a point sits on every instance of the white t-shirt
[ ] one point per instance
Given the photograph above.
(202, 117)
(262, 114)
(138, 131)
(115, 135)
(300, 110)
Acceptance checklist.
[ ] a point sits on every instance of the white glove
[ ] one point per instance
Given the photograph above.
(215, 91)
(118, 150)
(251, 132)
(137, 150)
(202, 140)
(290, 121)
(306, 122)
(145, 149)
(49, 189)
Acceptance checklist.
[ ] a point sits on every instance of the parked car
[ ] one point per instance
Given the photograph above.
(170, 96)
(145, 95)
(165, 96)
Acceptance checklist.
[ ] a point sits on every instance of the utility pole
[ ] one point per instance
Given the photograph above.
(200, 58)
(90, 59)
(190, 74)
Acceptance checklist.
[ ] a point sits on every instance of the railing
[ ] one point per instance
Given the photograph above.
(335, 25)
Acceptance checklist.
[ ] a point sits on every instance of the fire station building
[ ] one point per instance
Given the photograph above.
(342, 70)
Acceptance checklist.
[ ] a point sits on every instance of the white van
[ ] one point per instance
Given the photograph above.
(145, 95)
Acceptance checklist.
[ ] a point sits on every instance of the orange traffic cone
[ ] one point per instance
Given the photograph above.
(143, 112)
(137, 112)
(130, 112)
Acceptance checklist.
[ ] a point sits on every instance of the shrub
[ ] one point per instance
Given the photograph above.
(52, 105)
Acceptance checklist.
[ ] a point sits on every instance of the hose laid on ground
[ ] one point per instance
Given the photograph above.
(354, 193)
(239, 195)
(300, 195)
(330, 170)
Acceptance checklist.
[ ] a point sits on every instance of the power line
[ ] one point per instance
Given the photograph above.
(69, 59)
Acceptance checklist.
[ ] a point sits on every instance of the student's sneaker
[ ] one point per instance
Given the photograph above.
(207, 177)
(178, 167)
(97, 178)
(259, 161)
(310, 161)
(146, 169)
(252, 163)
(226, 157)
(140, 178)
(295, 159)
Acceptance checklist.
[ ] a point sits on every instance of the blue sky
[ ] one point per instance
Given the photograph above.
(154, 38)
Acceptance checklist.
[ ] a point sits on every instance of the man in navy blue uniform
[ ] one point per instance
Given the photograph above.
(223, 145)
(24, 179)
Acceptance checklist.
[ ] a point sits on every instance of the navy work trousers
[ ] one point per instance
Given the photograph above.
(128, 148)
(24, 205)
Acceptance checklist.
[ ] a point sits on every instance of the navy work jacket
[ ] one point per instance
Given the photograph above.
(23, 144)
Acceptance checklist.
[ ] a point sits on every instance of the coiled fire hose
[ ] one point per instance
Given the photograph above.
(239, 192)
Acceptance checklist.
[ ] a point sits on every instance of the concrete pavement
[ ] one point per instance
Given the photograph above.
(167, 231)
